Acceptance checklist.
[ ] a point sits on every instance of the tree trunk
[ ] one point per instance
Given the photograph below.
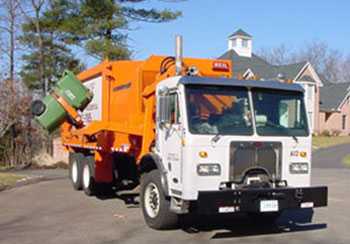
(41, 53)
(12, 41)
(37, 9)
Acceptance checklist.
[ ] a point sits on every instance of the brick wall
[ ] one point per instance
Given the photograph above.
(333, 121)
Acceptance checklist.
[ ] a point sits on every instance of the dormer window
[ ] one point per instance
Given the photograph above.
(244, 43)
(234, 43)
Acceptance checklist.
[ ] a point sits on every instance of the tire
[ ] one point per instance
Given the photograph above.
(155, 205)
(88, 176)
(75, 170)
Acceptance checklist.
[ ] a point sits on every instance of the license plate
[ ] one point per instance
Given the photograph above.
(229, 209)
(269, 206)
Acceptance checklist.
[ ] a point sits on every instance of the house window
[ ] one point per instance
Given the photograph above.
(234, 43)
(344, 122)
(244, 43)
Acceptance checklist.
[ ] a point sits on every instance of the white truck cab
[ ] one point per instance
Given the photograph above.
(228, 146)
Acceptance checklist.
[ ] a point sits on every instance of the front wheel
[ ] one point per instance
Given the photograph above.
(155, 205)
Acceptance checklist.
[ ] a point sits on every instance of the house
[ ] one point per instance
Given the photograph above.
(247, 65)
(335, 109)
(59, 153)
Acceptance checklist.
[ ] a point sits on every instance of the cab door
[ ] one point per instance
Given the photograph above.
(169, 139)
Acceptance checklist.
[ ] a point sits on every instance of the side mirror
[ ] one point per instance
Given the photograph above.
(164, 112)
(163, 91)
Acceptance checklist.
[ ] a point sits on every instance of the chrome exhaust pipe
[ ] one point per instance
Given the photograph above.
(178, 54)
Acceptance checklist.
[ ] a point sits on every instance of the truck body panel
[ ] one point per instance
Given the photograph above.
(93, 112)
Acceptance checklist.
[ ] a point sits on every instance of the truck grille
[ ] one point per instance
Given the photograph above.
(245, 155)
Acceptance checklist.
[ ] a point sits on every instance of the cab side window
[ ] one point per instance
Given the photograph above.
(174, 108)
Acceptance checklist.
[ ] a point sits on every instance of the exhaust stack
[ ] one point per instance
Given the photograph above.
(178, 54)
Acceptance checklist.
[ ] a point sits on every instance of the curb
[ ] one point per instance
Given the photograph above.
(29, 180)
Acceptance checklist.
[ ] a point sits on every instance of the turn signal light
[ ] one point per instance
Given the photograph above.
(203, 154)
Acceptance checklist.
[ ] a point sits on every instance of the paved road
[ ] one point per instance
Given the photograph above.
(331, 157)
(51, 212)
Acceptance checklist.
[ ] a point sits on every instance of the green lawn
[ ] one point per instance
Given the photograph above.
(4, 168)
(346, 160)
(328, 141)
(7, 179)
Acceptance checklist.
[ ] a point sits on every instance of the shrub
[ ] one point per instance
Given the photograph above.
(19, 137)
(326, 133)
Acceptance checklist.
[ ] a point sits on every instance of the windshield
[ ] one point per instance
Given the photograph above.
(218, 110)
(279, 113)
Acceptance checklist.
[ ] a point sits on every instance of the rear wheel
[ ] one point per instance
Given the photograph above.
(88, 179)
(75, 169)
(155, 205)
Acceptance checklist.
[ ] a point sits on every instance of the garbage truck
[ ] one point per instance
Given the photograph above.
(195, 139)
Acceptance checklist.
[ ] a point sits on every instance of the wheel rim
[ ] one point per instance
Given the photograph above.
(75, 171)
(86, 176)
(151, 200)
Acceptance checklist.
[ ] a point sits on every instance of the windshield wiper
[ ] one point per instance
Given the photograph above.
(216, 138)
(295, 139)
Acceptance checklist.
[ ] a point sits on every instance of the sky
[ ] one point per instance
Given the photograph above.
(206, 24)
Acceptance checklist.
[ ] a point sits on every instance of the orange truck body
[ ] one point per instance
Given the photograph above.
(127, 123)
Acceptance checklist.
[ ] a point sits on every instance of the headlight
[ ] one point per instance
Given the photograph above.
(208, 169)
(299, 168)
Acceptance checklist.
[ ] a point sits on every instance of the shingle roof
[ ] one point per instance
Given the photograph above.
(290, 71)
(324, 80)
(260, 67)
(332, 95)
(240, 32)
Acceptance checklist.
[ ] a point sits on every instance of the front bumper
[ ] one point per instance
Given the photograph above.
(249, 200)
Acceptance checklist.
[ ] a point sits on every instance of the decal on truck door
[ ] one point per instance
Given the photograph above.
(94, 110)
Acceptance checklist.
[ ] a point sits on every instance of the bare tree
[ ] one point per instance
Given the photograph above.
(10, 25)
(279, 55)
(16, 131)
(345, 69)
(328, 62)
(32, 11)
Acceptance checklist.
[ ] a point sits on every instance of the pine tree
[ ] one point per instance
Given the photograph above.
(101, 26)
(98, 26)
(57, 59)
(47, 56)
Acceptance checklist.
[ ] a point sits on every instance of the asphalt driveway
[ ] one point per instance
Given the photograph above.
(331, 157)
(52, 212)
